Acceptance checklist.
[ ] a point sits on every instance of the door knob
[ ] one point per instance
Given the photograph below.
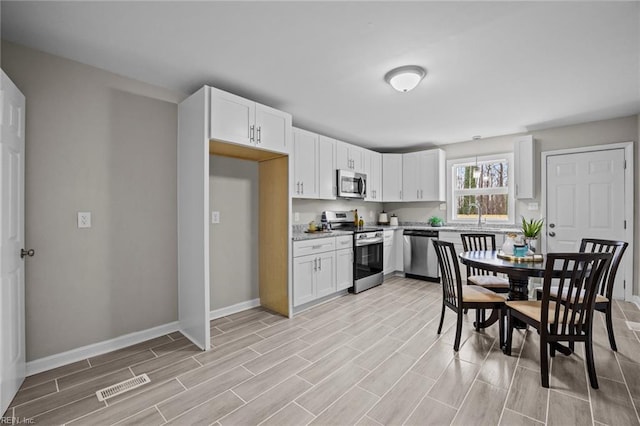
(552, 234)
(24, 253)
(552, 225)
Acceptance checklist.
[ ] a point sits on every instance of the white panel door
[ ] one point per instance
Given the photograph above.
(12, 314)
(585, 199)
(411, 176)
(344, 269)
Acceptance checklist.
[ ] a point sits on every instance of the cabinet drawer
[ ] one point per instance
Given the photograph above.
(315, 246)
(344, 241)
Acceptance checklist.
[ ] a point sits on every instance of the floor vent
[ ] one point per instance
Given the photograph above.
(122, 387)
(635, 326)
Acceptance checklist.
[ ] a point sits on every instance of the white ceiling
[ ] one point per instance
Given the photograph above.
(493, 68)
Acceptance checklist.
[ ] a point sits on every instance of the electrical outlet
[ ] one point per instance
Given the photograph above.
(296, 216)
(443, 206)
(371, 214)
(532, 206)
(84, 219)
(215, 217)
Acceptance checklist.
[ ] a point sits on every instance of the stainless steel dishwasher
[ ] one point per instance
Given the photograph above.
(420, 259)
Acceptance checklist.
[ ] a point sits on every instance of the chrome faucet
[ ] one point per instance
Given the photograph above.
(478, 206)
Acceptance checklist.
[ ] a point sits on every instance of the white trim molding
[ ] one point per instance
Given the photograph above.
(95, 349)
(238, 307)
(628, 208)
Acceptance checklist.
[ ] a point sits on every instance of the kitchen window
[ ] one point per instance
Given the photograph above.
(481, 185)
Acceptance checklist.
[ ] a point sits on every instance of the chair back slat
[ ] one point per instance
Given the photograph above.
(578, 276)
(450, 273)
(478, 242)
(617, 249)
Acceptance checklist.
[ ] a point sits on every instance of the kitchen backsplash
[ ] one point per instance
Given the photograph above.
(308, 210)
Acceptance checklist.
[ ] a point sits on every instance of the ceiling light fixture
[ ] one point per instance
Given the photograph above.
(406, 78)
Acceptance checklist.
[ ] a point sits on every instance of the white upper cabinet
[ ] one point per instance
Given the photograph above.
(238, 120)
(373, 170)
(391, 177)
(305, 164)
(273, 129)
(349, 157)
(434, 183)
(411, 176)
(423, 176)
(523, 155)
(327, 188)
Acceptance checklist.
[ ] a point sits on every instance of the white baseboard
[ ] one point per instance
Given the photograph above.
(238, 307)
(635, 299)
(95, 349)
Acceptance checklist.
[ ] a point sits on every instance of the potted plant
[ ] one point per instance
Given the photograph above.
(436, 221)
(531, 230)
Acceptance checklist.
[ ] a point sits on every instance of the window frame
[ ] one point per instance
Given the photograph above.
(451, 192)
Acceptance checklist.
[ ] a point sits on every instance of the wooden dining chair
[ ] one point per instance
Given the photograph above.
(457, 297)
(482, 277)
(578, 276)
(604, 300)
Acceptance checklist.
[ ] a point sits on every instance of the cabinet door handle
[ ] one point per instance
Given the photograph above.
(260, 134)
(421, 194)
(319, 264)
(297, 187)
(302, 186)
(315, 264)
(516, 189)
(252, 130)
(401, 194)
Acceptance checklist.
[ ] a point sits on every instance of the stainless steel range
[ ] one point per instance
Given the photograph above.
(367, 249)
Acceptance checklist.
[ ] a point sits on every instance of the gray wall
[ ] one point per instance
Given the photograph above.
(97, 142)
(234, 192)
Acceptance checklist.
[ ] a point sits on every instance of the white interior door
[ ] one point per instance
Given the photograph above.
(585, 199)
(12, 352)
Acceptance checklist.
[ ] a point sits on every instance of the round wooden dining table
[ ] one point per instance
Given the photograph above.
(517, 271)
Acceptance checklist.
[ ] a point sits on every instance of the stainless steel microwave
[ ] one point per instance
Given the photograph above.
(351, 184)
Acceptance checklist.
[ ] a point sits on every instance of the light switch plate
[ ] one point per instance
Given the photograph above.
(215, 217)
(532, 206)
(84, 219)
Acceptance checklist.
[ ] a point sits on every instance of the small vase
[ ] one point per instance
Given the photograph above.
(533, 244)
(509, 243)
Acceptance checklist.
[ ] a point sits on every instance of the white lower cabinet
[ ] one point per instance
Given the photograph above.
(314, 269)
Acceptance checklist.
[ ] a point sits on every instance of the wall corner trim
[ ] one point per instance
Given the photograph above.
(95, 349)
(238, 307)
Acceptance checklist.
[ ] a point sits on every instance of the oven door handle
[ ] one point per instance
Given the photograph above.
(369, 242)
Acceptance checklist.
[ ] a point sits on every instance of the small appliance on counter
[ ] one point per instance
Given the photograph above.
(368, 244)
(393, 220)
(383, 218)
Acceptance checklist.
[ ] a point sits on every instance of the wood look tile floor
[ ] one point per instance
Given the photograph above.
(368, 359)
